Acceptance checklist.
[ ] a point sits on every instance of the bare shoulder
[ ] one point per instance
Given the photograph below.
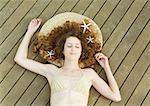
(90, 73)
(51, 68)
(88, 70)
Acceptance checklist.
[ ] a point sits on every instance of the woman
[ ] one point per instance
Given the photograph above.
(70, 83)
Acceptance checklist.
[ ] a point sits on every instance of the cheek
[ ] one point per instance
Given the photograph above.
(80, 51)
(66, 50)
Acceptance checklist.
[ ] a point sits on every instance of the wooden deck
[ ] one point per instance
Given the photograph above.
(126, 31)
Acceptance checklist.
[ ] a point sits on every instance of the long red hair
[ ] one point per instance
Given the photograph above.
(55, 41)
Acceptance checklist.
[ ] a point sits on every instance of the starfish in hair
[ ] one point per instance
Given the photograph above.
(86, 26)
(90, 39)
(50, 53)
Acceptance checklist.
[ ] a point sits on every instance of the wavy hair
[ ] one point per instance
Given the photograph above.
(56, 39)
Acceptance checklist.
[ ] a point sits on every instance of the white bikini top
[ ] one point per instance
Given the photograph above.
(60, 83)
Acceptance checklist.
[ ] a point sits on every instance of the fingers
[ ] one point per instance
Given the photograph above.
(34, 24)
(99, 56)
(37, 20)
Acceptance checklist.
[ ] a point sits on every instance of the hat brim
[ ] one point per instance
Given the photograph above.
(60, 19)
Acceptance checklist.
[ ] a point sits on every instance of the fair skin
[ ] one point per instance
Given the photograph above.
(72, 52)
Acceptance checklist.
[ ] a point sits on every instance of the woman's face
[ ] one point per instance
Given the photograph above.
(72, 48)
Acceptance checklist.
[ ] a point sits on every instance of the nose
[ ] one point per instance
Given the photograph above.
(72, 49)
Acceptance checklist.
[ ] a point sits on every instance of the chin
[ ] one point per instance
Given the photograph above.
(72, 58)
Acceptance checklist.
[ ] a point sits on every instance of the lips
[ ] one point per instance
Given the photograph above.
(72, 53)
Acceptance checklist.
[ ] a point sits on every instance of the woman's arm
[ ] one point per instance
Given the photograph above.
(110, 91)
(22, 52)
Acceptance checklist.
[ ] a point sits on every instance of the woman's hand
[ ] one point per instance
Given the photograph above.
(34, 25)
(102, 59)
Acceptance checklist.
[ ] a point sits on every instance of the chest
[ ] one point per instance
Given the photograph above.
(79, 85)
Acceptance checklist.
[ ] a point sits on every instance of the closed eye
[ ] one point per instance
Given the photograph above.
(69, 46)
(77, 47)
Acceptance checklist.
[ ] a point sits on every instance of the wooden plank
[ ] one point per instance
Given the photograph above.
(111, 23)
(127, 65)
(4, 86)
(5, 30)
(146, 101)
(82, 6)
(4, 70)
(3, 3)
(91, 12)
(141, 90)
(129, 33)
(8, 63)
(106, 10)
(20, 28)
(67, 6)
(94, 8)
(133, 78)
(121, 29)
(29, 73)
(9, 86)
(48, 104)
(43, 97)
(124, 47)
(94, 94)
(131, 36)
(15, 19)
(11, 97)
(8, 10)
(10, 80)
(26, 94)
(114, 16)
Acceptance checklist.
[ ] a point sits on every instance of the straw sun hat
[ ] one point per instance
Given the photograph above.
(60, 19)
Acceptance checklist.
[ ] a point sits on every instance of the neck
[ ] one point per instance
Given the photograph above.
(71, 65)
